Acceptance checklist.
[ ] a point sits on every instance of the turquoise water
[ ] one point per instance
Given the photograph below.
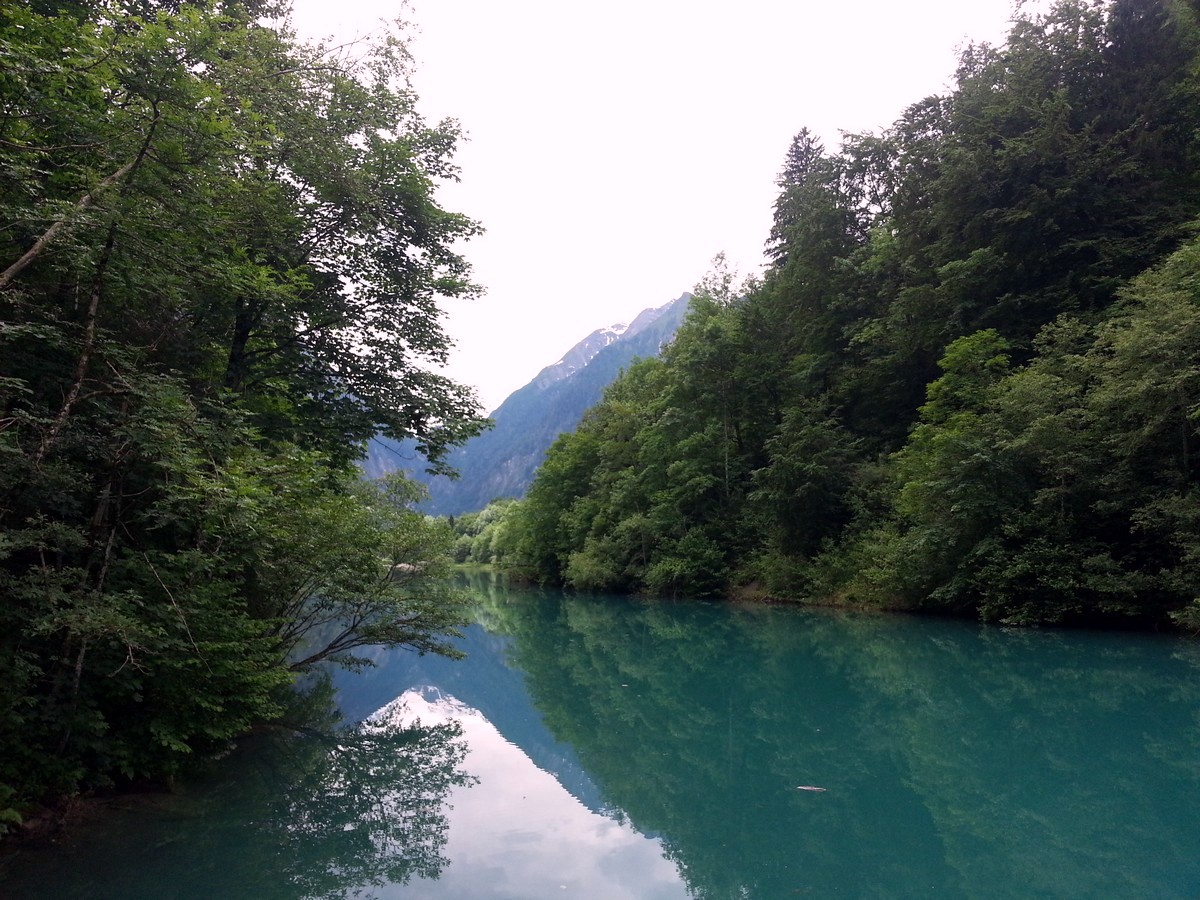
(602, 747)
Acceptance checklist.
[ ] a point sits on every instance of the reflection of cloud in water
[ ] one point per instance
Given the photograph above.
(516, 832)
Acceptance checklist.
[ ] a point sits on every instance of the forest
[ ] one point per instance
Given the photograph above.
(221, 261)
(967, 382)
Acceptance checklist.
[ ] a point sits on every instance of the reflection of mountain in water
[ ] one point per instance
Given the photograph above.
(485, 684)
(956, 761)
(515, 831)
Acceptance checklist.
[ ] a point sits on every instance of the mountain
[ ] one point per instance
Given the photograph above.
(501, 461)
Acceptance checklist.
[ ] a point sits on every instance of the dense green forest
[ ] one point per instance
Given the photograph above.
(221, 266)
(968, 380)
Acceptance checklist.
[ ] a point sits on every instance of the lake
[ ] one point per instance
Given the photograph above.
(605, 747)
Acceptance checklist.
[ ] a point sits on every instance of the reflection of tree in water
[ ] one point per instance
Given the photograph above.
(699, 734)
(320, 812)
(958, 760)
(364, 806)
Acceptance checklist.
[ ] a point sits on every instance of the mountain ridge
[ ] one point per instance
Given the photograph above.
(579, 355)
(501, 462)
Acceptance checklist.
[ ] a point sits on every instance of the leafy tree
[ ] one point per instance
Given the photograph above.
(544, 545)
(1059, 492)
(219, 272)
(956, 478)
(802, 497)
(481, 537)
(962, 382)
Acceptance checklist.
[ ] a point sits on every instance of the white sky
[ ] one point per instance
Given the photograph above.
(615, 148)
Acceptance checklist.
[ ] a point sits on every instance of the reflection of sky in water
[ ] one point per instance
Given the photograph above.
(957, 762)
(518, 833)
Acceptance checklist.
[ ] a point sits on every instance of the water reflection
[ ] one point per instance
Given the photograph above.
(518, 833)
(323, 813)
(610, 748)
(957, 761)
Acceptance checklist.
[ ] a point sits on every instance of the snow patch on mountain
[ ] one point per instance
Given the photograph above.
(584, 352)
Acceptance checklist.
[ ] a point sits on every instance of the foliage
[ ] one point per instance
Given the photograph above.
(483, 537)
(221, 262)
(965, 382)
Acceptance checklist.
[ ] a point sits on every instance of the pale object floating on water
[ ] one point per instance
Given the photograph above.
(809, 787)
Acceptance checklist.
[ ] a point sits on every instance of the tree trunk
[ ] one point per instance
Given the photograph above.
(127, 172)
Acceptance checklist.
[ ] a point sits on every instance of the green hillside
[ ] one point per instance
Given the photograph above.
(969, 379)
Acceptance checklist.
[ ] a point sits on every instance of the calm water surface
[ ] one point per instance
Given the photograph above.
(599, 747)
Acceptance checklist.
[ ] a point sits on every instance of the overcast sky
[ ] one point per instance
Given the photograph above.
(616, 147)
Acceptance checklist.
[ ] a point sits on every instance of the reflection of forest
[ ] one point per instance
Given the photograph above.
(323, 813)
(958, 760)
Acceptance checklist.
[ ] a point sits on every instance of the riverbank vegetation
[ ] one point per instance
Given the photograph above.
(969, 379)
(221, 261)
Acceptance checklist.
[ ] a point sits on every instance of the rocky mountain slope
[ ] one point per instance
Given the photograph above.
(501, 462)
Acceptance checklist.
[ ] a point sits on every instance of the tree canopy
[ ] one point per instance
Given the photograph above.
(221, 263)
(962, 383)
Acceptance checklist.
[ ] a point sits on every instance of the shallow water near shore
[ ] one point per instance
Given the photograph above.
(605, 747)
